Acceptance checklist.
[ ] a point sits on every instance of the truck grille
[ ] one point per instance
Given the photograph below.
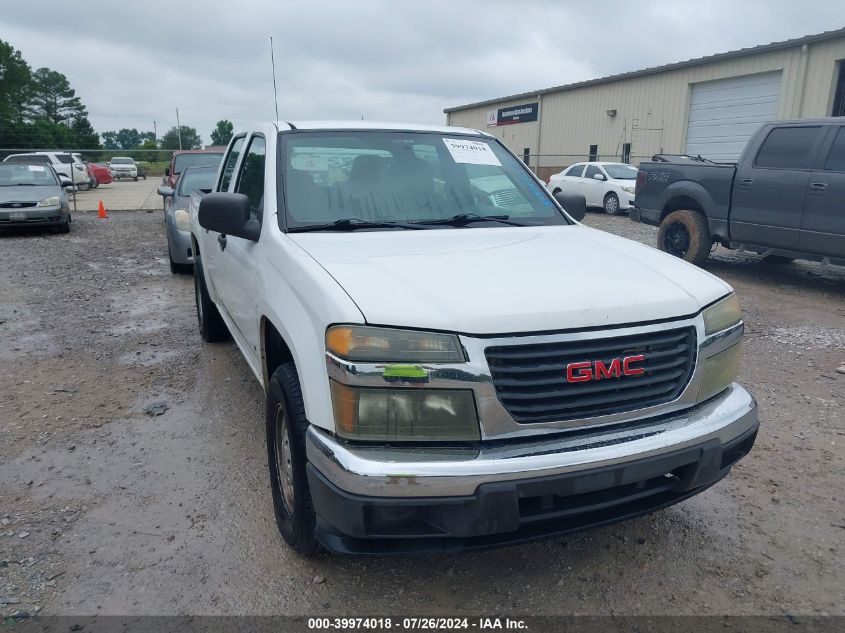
(530, 380)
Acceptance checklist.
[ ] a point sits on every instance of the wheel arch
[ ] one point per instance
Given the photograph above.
(275, 350)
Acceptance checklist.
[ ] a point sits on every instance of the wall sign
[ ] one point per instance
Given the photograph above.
(513, 114)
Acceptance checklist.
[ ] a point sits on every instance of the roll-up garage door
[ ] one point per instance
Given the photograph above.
(723, 114)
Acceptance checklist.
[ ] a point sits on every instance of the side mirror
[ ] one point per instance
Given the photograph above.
(573, 203)
(599, 177)
(167, 171)
(228, 213)
(165, 191)
(65, 182)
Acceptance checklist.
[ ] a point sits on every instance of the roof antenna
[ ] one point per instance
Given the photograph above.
(275, 93)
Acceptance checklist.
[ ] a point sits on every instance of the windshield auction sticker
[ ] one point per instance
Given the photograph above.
(471, 152)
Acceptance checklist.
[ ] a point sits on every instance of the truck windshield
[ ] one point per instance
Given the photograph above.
(406, 178)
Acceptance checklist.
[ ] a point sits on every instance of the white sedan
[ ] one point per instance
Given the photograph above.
(609, 186)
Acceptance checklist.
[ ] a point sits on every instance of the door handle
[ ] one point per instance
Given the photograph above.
(221, 240)
(818, 186)
(746, 182)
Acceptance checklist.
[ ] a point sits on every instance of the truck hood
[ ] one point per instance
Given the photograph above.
(509, 279)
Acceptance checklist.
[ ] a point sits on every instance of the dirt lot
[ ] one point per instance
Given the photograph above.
(106, 509)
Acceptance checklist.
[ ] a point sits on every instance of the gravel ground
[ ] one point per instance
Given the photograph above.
(106, 509)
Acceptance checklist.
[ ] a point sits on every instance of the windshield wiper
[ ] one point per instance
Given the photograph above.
(463, 219)
(352, 224)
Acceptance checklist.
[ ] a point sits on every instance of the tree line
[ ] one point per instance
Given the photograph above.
(40, 110)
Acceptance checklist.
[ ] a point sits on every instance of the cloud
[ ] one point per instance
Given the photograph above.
(135, 63)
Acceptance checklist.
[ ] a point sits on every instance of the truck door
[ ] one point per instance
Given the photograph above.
(770, 187)
(209, 243)
(823, 225)
(237, 286)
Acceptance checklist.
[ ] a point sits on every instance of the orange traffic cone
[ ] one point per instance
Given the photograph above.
(101, 212)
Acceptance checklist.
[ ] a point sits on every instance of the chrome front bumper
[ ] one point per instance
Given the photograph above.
(444, 472)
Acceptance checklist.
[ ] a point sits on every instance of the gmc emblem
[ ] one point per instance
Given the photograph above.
(587, 370)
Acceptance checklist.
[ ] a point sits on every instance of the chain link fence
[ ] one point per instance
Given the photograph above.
(152, 161)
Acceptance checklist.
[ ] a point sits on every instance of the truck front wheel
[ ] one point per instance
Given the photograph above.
(685, 234)
(211, 325)
(286, 427)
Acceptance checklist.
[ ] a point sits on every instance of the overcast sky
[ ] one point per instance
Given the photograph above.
(134, 62)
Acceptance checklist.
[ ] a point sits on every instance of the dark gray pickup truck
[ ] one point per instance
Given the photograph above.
(784, 199)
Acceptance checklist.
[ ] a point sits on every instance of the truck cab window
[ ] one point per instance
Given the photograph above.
(836, 157)
(251, 179)
(788, 148)
(231, 161)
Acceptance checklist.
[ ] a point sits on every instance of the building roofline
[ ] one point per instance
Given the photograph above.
(698, 61)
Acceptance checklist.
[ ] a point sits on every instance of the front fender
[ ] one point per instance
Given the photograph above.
(300, 299)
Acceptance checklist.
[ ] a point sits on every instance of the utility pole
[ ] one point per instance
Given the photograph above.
(179, 128)
(155, 132)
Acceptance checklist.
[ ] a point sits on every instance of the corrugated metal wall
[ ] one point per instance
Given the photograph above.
(652, 111)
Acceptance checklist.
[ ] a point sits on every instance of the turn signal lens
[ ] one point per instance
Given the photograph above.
(722, 315)
(404, 415)
(720, 371)
(377, 344)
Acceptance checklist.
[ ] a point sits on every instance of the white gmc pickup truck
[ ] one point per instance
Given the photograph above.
(451, 360)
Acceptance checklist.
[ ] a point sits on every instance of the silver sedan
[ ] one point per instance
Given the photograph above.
(178, 218)
(33, 195)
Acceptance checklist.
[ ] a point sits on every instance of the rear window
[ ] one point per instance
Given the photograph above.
(196, 160)
(575, 170)
(27, 159)
(788, 148)
(67, 159)
(122, 161)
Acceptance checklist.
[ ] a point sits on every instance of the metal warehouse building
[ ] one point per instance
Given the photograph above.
(708, 106)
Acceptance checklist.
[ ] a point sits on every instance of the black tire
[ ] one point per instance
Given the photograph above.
(611, 204)
(286, 427)
(211, 326)
(64, 228)
(94, 182)
(685, 234)
(135, 179)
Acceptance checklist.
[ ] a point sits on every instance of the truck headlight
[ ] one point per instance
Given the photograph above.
(379, 344)
(52, 201)
(404, 415)
(722, 315)
(182, 219)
